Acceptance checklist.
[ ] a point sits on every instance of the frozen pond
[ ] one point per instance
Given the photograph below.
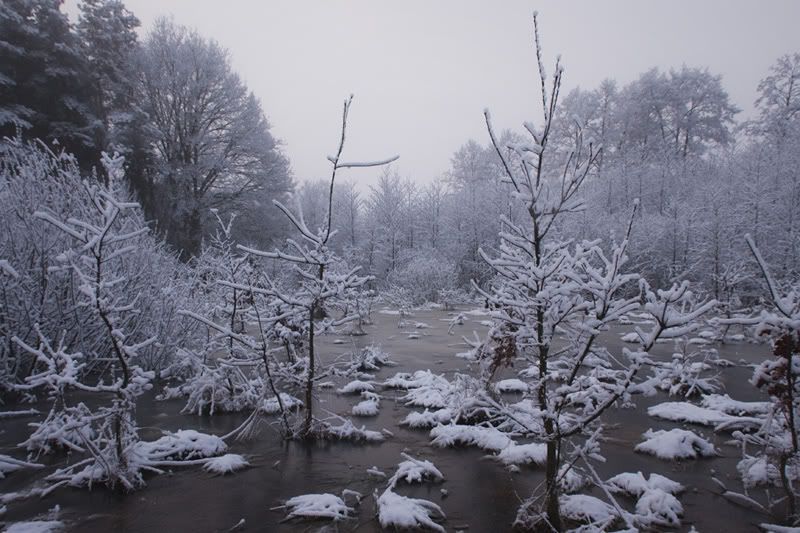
(482, 495)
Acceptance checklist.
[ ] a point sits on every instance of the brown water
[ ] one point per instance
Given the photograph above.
(482, 495)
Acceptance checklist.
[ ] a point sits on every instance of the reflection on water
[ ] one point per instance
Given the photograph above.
(482, 495)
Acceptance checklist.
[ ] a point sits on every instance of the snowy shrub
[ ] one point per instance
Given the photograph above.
(776, 441)
(40, 287)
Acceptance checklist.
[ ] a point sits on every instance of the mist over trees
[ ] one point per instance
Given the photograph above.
(669, 139)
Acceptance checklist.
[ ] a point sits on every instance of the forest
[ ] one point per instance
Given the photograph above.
(588, 323)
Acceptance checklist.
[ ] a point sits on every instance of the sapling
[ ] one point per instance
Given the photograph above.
(313, 261)
(546, 288)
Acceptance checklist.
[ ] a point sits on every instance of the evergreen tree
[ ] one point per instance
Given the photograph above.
(45, 87)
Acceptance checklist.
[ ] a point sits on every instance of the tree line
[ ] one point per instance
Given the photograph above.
(194, 137)
(669, 139)
(197, 144)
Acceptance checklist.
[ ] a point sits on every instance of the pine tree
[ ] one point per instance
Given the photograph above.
(45, 87)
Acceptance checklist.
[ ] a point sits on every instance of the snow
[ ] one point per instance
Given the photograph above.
(636, 484)
(271, 406)
(693, 414)
(687, 412)
(36, 526)
(571, 481)
(657, 508)
(427, 418)
(675, 444)
(226, 464)
(758, 471)
(366, 408)
(425, 389)
(415, 471)
(585, 508)
(726, 404)
(8, 464)
(356, 386)
(485, 438)
(402, 512)
(24, 412)
(184, 444)
(776, 528)
(632, 338)
(374, 471)
(317, 506)
(517, 454)
(511, 385)
(348, 431)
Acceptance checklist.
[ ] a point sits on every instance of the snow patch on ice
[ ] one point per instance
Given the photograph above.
(675, 444)
(427, 418)
(317, 506)
(483, 437)
(226, 464)
(356, 386)
(511, 385)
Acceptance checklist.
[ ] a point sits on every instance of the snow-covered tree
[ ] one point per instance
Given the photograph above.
(548, 287)
(314, 262)
(101, 239)
(212, 142)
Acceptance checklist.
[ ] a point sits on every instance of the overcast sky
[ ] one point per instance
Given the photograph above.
(422, 71)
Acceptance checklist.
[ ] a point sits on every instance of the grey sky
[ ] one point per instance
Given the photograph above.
(422, 71)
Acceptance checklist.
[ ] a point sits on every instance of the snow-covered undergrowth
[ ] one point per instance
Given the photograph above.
(370, 406)
(183, 447)
(317, 506)
(427, 418)
(369, 359)
(349, 432)
(443, 401)
(36, 526)
(356, 387)
(226, 464)
(9, 464)
(403, 512)
(675, 444)
(636, 484)
(485, 438)
(511, 385)
(707, 416)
